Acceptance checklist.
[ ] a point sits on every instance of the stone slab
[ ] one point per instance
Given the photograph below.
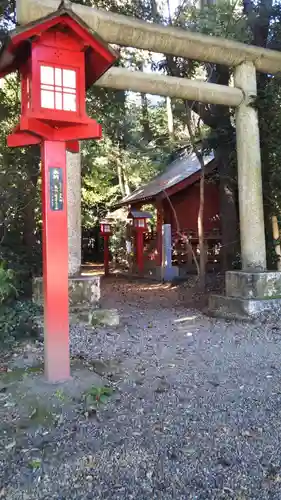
(96, 317)
(84, 291)
(107, 317)
(165, 274)
(253, 285)
(241, 308)
(156, 273)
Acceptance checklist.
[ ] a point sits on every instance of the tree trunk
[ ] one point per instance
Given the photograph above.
(200, 219)
(145, 118)
(122, 138)
(225, 147)
(202, 262)
(170, 118)
(144, 112)
(126, 181)
(155, 11)
(228, 210)
(120, 178)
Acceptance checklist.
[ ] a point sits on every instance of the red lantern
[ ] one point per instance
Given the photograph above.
(105, 228)
(58, 58)
(140, 223)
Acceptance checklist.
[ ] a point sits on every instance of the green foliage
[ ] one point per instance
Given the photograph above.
(35, 464)
(94, 398)
(123, 159)
(223, 18)
(23, 262)
(19, 197)
(99, 394)
(118, 242)
(18, 321)
(269, 107)
(7, 287)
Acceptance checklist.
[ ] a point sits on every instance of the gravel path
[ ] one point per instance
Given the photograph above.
(196, 414)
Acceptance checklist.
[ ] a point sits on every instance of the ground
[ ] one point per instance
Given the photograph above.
(194, 411)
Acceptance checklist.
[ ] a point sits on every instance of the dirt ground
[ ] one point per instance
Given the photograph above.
(170, 404)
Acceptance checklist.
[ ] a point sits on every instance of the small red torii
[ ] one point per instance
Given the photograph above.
(58, 58)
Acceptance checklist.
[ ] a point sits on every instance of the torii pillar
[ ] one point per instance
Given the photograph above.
(252, 233)
(73, 169)
(252, 290)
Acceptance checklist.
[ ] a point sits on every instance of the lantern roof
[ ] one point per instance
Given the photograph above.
(137, 214)
(16, 47)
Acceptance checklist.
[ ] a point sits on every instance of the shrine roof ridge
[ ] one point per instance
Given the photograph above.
(177, 171)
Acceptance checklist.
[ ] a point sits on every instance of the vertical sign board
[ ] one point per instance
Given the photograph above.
(55, 260)
(56, 188)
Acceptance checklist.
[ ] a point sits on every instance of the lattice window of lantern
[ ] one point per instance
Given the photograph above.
(58, 88)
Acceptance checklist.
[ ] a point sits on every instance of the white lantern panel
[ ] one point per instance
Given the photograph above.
(141, 222)
(69, 102)
(47, 75)
(69, 78)
(58, 77)
(58, 98)
(47, 99)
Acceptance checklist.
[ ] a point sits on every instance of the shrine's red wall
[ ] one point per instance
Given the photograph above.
(186, 205)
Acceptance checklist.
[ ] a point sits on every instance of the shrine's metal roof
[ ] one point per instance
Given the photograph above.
(180, 169)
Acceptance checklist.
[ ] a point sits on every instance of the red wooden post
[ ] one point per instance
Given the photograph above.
(55, 261)
(106, 254)
(139, 249)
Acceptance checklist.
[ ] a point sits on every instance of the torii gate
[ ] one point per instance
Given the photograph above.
(245, 288)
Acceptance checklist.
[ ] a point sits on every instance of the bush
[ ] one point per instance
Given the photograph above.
(17, 317)
(23, 264)
(18, 321)
(8, 290)
(118, 242)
